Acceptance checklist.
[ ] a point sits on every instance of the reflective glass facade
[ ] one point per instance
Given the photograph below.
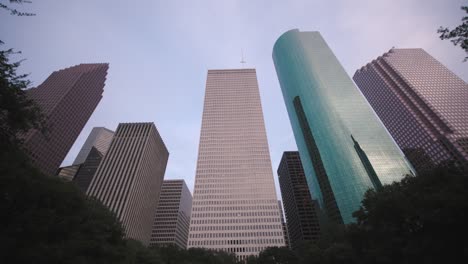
(344, 147)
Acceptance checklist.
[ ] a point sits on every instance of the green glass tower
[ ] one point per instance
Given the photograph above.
(344, 148)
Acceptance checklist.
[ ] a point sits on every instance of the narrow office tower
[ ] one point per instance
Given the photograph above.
(301, 215)
(423, 105)
(235, 207)
(129, 179)
(344, 148)
(67, 99)
(172, 219)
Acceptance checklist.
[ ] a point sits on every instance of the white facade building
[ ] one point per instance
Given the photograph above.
(235, 208)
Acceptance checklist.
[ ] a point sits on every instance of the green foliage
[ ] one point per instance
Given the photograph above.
(18, 113)
(415, 220)
(46, 220)
(174, 255)
(277, 255)
(458, 35)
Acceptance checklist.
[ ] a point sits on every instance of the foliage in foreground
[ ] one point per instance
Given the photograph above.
(458, 35)
(421, 219)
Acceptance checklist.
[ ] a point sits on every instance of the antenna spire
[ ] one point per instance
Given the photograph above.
(242, 58)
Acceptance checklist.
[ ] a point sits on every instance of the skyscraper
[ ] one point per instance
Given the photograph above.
(67, 98)
(100, 138)
(301, 215)
(172, 219)
(285, 227)
(344, 147)
(130, 176)
(235, 208)
(91, 155)
(423, 105)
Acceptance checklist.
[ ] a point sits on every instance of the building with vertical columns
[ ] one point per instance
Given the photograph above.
(423, 105)
(235, 208)
(172, 219)
(67, 99)
(300, 210)
(129, 179)
(344, 148)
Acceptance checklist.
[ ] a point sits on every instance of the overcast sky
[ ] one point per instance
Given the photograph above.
(159, 53)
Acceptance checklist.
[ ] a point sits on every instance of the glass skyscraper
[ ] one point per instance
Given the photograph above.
(344, 148)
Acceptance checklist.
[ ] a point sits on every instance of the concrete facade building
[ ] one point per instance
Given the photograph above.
(285, 226)
(423, 105)
(67, 98)
(129, 179)
(172, 219)
(235, 208)
(301, 214)
(344, 148)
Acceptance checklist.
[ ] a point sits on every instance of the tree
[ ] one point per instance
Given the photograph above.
(14, 11)
(18, 113)
(277, 255)
(45, 220)
(458, 35)
(417, 220)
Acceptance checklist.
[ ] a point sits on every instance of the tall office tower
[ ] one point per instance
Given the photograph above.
(172, 219)
(285, 227)
(99, 138)
(91, 155)
(67, 98)
(301, 215)
(235, 208)
(344, 148)
(130, 176)
(423, 105)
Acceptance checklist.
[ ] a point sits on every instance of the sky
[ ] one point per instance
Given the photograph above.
(159, 53)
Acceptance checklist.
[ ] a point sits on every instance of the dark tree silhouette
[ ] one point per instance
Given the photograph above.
(14, 11)
(458, 35)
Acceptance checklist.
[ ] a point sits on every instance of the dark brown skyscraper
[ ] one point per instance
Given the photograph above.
(300, 209)
(423, 105)
(130, 176)
(67, 98)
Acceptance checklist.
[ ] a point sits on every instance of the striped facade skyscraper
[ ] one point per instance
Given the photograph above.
(423, 105)
(129, 178)
(344, 148)
(172, 219)
(235, 208)
(67, 98)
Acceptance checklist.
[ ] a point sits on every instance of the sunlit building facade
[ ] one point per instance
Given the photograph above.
(235, 208)
(423, 105)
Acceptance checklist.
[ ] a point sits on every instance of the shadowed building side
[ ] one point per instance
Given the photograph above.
(172, 219)
(301, 215)
(67, 98)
